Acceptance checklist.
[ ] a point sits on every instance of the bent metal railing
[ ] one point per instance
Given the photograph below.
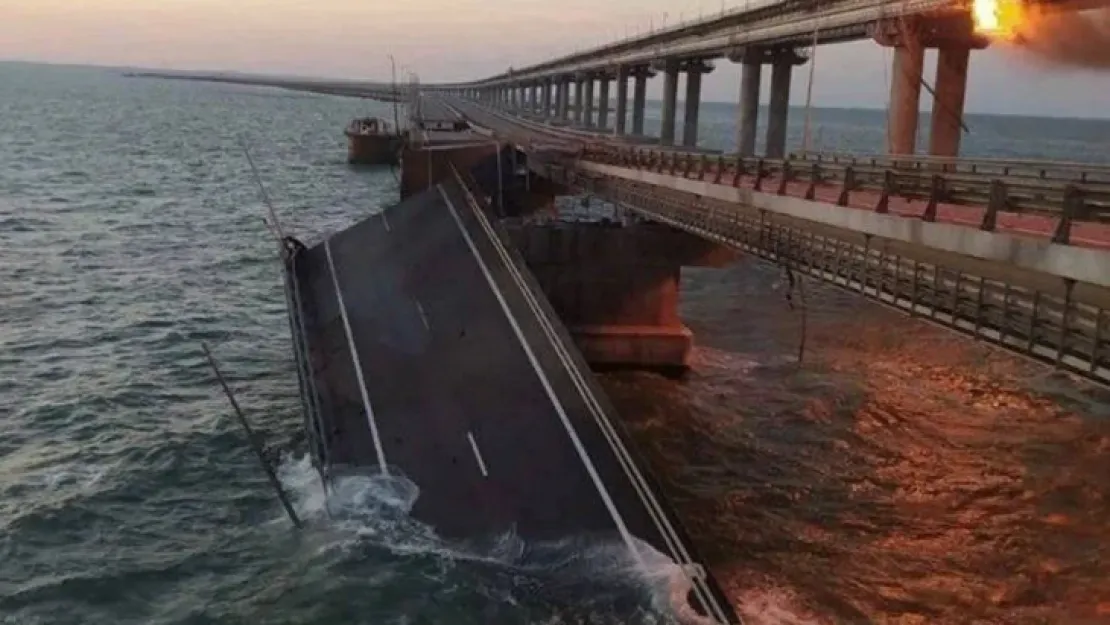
(1053, 320)
(1066, 201)
(310, 399)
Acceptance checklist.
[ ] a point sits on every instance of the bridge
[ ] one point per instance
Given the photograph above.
(769, 33)
(1012, 252)
(450, 338)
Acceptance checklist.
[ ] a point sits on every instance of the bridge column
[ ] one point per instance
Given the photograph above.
(579, 84)
(692, 105)
(905, 96)
(545, 97)
(670, 101)
(639, 99)
(588, 109)
(751, 65)
(603, 101)
(621, 113)
(564, 99)
(954, 36)
(948, 103)
(537, 105)
(782, 66)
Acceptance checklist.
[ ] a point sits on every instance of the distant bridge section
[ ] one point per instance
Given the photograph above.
(779, 34)
(369, 90)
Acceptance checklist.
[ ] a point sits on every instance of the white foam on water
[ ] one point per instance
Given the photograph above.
(583, 573)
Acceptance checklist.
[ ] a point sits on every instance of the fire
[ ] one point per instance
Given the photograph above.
(998, 18)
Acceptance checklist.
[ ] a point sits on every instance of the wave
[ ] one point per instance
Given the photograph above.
(590, 577)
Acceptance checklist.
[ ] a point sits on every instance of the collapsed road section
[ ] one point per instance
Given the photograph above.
(425, 348)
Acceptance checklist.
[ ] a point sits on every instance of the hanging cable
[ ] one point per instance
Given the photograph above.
(809, 86)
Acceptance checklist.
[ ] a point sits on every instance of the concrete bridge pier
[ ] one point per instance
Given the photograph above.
(545, 97)
(954, 37)
(603, 101)
(621, 113)
(778, 109)
(948, 105)
(639, 98)
(616, 288)
(564, 98)
(692, 106)
(579, 87)
(670, 69)
(537, 101)
(588, 102)
(905, 96)
(751, 66)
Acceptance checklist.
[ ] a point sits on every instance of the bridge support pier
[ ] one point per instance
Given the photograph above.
(748, 112)
(905, 96)
(639, 100)
(692, 106)
(579, 86)
(603, 102)
(670, 101)
(588, 107)
(948, 105)
(545, 97)
(563, 95)
(779, 107)
(621, 113)
(954, 36)
(616, 289)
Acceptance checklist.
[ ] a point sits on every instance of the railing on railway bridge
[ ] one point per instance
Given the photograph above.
(1070, 193)
(1057, 321)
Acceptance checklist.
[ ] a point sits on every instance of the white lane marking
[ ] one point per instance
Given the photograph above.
(423, 315)
(385, 222)
(356, 360)
(606, 498)
(666, 529)
(477, 454)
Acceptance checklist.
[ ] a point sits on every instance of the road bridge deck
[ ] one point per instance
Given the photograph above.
(431, 355)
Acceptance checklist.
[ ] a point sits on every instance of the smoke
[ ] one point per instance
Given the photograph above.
(1074, 38)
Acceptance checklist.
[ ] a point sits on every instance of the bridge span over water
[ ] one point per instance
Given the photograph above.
(779, 34)
(1014, 253)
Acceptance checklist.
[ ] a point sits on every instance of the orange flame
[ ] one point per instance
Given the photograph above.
(998, 18)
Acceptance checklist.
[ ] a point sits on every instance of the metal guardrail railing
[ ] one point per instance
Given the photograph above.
(1059, 322)
(1064, 200)
(310, 398)
(1062, 171)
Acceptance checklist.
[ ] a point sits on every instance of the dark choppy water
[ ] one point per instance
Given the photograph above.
(130, 231)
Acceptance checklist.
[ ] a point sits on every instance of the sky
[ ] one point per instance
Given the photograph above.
(452, 40)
